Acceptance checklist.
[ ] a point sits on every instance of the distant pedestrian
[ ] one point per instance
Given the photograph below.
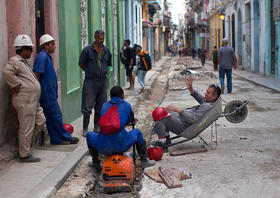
(25, 96)
(193, 53)
(127, 59)
(215, 58)
(94, 60)
(202, 54)
(44, 70)
(226, 61)
(180, 52)
(142, 67)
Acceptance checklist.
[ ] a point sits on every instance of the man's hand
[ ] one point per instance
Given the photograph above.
(130, 67)
(189, 84)
(16, 89)
(234, 66)
(173, 108)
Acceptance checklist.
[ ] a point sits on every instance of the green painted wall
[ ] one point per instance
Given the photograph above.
(69, 51)
(94, 18)
(120, 42)
(110, 39)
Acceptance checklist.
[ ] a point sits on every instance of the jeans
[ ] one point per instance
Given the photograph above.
(228, 72)
(141, 77)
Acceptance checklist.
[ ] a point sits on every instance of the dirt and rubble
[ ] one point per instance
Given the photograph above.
(84, 182)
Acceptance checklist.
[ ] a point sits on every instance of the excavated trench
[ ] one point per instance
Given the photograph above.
(84, 182)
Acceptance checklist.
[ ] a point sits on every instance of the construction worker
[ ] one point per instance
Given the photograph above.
(121, 140)
(26, 96)
(94, 61)
(45, 72)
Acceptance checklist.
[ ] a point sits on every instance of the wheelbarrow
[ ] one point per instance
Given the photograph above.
(235, 112)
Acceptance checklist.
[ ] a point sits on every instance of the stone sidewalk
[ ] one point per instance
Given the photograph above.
(40, 180)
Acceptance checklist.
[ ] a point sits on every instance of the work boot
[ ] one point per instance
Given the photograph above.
(29, 159)
(142, 152)
(95, 163)
(85, 125)
(74, 140)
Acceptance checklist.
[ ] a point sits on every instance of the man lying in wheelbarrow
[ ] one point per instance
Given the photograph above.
(177, 120)
(113, 138)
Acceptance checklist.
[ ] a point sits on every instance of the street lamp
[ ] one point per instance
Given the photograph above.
(222, 16)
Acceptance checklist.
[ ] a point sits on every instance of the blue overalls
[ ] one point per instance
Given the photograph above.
(120, 141)
(48, 80)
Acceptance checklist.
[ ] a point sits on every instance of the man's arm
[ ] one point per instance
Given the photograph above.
(10, 76)
(82, 67)
(234, 61)
(37, 74)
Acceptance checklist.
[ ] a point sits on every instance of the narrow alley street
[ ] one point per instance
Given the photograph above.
(244, 164)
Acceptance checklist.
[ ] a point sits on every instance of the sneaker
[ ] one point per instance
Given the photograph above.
(96, 129)
(147, 163)
(222, 89)
(158, 143)
(63, 142)
(29, 159)
(74, 140)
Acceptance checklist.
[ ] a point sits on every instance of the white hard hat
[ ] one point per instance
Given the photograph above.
(45, 39)
(22, 40)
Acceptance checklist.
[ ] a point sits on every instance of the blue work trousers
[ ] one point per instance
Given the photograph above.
(54, 122)
(228, 72)
(116, 143)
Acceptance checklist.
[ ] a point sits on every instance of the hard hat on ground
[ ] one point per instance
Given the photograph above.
(155, 153)
(159, 113)
(22, 40)
(69, 128)
(45, 39)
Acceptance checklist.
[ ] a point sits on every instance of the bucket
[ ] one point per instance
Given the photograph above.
(155, 153)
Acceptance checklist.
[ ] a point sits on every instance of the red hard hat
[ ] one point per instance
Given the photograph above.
(159, 113)
(69, 128)
(155, 153)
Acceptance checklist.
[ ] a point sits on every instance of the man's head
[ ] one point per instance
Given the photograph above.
(117, 91)
(138, 49)
(23, 46)
(212, 93)
(99, 36)
(47, 43)
(225, 41)
(215, 47)
(127, 42)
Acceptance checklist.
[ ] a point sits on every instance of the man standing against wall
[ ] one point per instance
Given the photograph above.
(26, 96)
(127, 56)
(226, 61)
(45, 72)
(94, 60)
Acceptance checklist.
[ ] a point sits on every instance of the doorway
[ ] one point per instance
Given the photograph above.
(40, 21)
(256, 35)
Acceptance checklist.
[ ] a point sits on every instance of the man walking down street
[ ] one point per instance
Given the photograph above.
(180, 119)
(202, 53)
(226, 61)
(26, 96)
(94, 60)
(127, 57)
(44, 70)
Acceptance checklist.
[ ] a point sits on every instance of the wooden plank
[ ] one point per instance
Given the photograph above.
(171, 177)
(187, 151)
(154, 174)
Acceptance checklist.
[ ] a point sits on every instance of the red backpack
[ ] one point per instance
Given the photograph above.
(109, 123)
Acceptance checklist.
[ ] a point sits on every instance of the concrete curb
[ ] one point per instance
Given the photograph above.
(54, 180)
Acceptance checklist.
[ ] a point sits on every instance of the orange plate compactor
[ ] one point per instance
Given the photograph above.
(118, 173)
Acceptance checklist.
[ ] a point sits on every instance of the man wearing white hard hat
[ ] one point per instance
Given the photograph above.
(44, 70)
(26, 96)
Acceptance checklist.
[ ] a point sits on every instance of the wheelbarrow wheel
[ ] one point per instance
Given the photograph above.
(239, 115)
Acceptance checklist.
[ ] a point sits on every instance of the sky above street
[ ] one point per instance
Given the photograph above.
(177, 7)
